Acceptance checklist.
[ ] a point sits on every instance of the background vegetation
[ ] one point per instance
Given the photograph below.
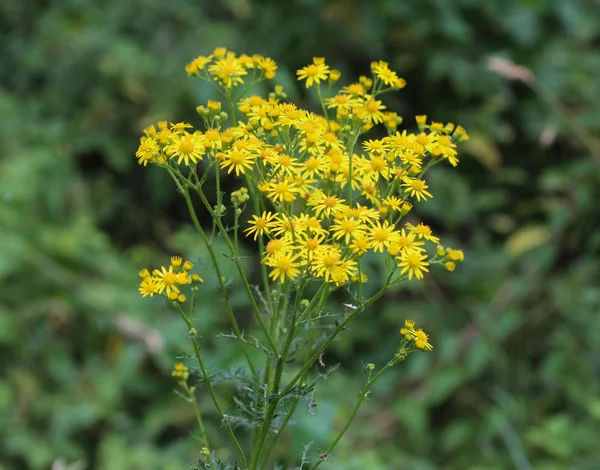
(513, 380)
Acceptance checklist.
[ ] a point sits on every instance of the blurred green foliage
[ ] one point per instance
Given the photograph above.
(513, 380)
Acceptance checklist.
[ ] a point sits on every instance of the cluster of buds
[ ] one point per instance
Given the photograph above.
(240, 196)
(181, 372)
(450, 257)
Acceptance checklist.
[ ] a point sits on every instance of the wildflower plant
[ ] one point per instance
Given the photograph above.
(316, 196)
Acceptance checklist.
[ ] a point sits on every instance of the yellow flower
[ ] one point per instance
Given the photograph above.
(309, 245)
(276, 247)
(423, 231)
(422, 340)
(186, 147)
(149, 286)
(238, 160)
(413, 263)
(342, 101)
(311, 225)
(176, 261)
(180, 371)
(199, 63)
(285, 265)
(260, 225)
(360, 244)
(313, 73)
(346, 228)
(228, 71)
(374, 110)
(329, 264)
(282, 191)
(166, 279)
(268, 66)
(456, 255)
(147, 150)
(416, 187)
(382, 235)
(326, 205)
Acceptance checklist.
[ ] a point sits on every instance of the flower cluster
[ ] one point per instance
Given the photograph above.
(318, 197)
(180, 371)
(414, 338)
(227, 69)
(325, 203)
(169, 281)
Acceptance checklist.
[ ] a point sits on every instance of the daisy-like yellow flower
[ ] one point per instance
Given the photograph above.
(382, 235)
(376, 146)
(212, 139)
(229, 71)
(276, 247)
(413, 263)
(422, 340)
(355, 89)
(311, 225)
(392, 202)
(285, 266)
(416, 188)
(406, 243)
(268, 66)
(309, 245)
(360, 244)
(166, 279)
(329, 264)
(285, 226)
(326, 205)
(186, 147)
(314, 73)
(374, 110)
(147, 150)
(342, 101)
(443, 146)
(346, 228)
(149, 286)
(423, 231)
(282, 191)
(199, 63)
(238, 160)
(260, 225)
(389, 77)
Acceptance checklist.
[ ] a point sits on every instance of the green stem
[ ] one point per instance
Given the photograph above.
(192, 397)
(363, 394)
(323, 104)
(321, 295)
(350, 149)
(261, 244)
(240, 269)
(209, 386)
(232, 107)
(213, 257)
(334, 334)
